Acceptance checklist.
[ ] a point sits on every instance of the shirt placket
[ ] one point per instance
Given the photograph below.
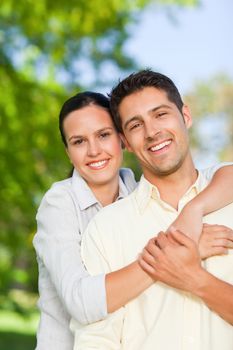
(190, 324)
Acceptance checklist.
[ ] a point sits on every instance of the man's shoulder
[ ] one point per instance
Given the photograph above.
(118, 210)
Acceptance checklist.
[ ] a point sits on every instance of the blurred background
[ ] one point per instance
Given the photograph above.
(50, 50)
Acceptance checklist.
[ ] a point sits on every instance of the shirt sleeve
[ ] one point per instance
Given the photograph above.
(105, 334)
(209, 172)
(57, 244)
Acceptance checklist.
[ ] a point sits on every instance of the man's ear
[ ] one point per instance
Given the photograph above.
(187, 116)
(125, 142)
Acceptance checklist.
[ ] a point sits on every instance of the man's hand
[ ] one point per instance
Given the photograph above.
(215, 240)
(173, 259)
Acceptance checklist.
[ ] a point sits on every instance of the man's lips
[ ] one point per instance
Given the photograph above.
(100, 164)
(160, 146)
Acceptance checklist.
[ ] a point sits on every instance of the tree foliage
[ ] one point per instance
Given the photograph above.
(211, 105)
(47, 50)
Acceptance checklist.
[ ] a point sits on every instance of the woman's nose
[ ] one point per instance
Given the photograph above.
(93, 149)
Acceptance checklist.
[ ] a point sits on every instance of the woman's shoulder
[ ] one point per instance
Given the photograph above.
(58, 194)
(128, 179)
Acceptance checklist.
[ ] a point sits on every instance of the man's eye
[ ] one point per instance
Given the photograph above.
(135, 126)
(161, 114)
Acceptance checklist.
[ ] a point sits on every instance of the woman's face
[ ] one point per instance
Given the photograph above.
(93, 144)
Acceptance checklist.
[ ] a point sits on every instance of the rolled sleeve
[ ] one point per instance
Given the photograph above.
(209, 172)
(93, 295)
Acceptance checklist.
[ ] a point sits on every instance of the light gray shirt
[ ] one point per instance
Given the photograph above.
(66, 289)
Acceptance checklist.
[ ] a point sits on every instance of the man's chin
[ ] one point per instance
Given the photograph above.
(167, 170)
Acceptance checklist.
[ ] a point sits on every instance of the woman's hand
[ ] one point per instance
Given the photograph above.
(215, 240)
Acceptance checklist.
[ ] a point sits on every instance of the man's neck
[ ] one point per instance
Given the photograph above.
(172, 187)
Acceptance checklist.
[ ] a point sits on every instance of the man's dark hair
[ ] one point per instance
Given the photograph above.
(138, 81)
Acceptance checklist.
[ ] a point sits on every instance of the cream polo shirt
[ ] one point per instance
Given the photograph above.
(161, 318)
(65, 287)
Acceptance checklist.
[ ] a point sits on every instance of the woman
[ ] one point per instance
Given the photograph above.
(66, 290)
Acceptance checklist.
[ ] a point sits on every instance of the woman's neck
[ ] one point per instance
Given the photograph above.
(106, 193)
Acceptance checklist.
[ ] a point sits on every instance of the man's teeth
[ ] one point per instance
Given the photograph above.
(161, 145)
(98, 164)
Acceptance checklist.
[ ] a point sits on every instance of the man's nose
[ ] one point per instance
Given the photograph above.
(151, 129)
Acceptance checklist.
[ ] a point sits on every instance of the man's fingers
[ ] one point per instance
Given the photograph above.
(145, 266)
(181, 238)
(147, 256)
(153, 249)
(162, 240)
(170, 239)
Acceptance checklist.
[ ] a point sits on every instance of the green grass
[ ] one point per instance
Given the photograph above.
(17, 332)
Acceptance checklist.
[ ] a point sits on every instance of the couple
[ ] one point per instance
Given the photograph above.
(170, 298)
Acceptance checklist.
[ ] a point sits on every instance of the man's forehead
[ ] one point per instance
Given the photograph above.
(147, 98)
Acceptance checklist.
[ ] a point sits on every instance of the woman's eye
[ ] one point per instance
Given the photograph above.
(104, 135)
(78, 142)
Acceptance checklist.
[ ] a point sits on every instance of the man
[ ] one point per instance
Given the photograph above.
(190, 306)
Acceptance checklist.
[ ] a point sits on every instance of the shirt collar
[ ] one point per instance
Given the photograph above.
(127, 182)
(84, 195)
(146, 191)
(86, 198)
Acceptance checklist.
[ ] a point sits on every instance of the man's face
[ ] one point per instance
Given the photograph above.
(156, 131)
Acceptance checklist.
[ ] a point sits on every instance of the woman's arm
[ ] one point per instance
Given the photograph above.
(125, 284)
(216, 195)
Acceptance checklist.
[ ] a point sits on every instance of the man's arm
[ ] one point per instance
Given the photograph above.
(216, 195)
(177, 263)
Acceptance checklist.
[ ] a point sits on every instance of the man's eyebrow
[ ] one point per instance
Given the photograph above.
(138, 116)
(159, 107)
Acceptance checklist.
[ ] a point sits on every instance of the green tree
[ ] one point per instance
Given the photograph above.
(48, 49)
